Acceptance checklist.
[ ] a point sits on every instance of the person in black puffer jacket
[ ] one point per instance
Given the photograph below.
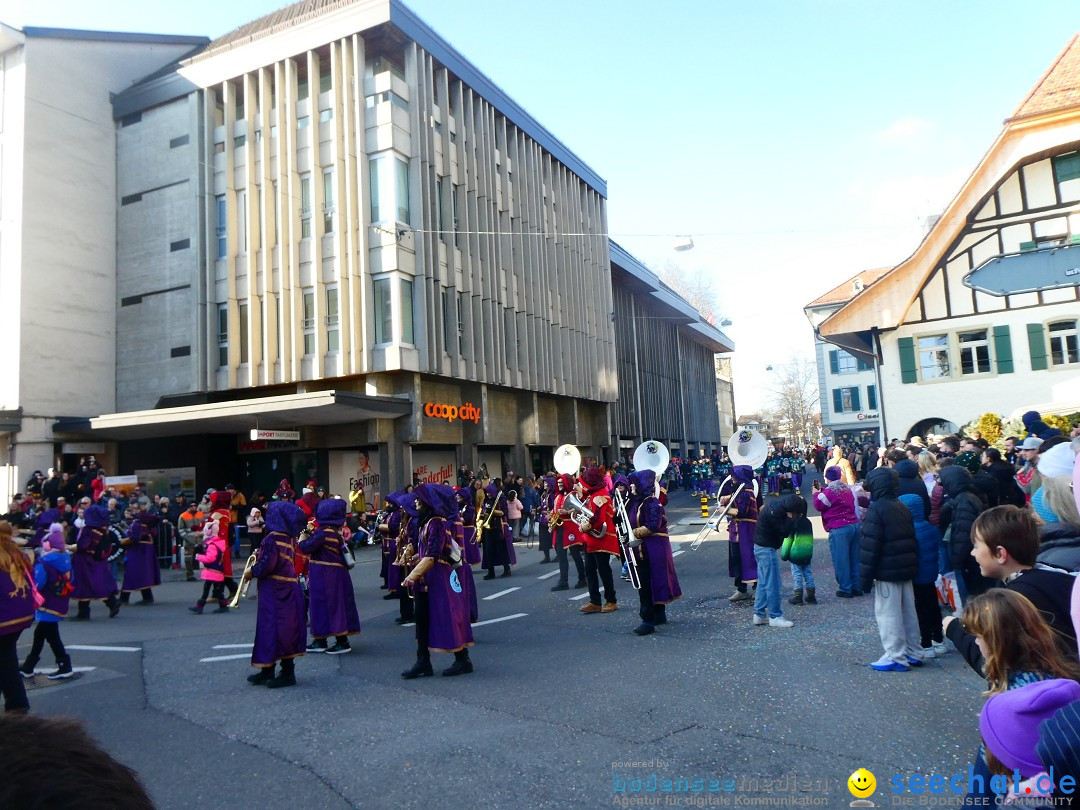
(911, 482)
(888, 562)
(1009, 494)
(962, 506)
(986, 486)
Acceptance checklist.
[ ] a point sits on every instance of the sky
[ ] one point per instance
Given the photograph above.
(796, 141)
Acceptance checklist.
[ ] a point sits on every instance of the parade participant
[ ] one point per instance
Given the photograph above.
(656, 566)
(441, 612)
(141, 569)
(91, 575)
(16, 614)
(493, 532)
(465, 572)
(52, 576)
(332, 604)
(742, 517)
(211, 552)
(41, 526)
(220, 509)
(279, 628)
(601, 542)
(620, 484)
(566, 536)
(546, 492)
(405, 536)
(389, 530)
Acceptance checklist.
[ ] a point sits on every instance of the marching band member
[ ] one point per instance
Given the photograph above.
(467, 511)
(743, 513)
(280, 627)
(405, 523)
(465, 536)
(332, 603)
(496, 551)
(656, 566)
(141, 570)
(441, 611)
(566, 536)
(387, 531)
(547, 497)
(599, 549)
(91, 574)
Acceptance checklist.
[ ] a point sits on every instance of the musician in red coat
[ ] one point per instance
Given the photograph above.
(601, 542)
(565, 536)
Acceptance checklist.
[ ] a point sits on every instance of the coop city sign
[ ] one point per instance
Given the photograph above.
(466, 412)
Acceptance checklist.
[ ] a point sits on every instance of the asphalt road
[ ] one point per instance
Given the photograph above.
(562, 710)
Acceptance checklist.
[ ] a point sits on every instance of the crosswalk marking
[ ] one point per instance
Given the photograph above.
(233, 646)
(213, 658)
(95, 648)
(677, 553)
(548, 575)
(500, 619)
(500, 593)
(580, 596)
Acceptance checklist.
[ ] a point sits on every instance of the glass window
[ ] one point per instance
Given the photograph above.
(301, 88)
(241, 221)
(373, 189)
(458, 201)
(222, 226)
(277, 213)
(309, 323)
(333, 341)
(406, 311)
(845, 398)
(326, 115)
(223, 335)
(934, 357)
(449, 322)
(440, 214)
(305, 206)
(461, 311)
(239, 141)
(974, 352)
(1064, 349)
(324, 75)
(384, 323)
(303, 122)
(401, 173)
(243, 324)
(845, 363)
(328, 201)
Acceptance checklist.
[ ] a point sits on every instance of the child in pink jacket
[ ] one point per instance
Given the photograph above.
(211, 553)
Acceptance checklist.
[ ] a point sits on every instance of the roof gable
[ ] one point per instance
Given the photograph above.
(846, 290)
(1059, 87)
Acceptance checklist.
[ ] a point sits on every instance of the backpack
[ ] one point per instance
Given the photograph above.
(107, 542)
(63, 586)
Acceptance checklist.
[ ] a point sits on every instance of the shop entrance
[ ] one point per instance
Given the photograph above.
(541, 458)
(264, 471)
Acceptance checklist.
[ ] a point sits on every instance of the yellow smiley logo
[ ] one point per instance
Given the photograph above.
(861, 783)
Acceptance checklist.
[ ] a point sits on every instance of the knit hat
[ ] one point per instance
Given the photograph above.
(221, 500)
(1009, 722)
(592, 479)
(1057, 462)
(833, 473)
(1059, 740)
(55, 538)
(969, 461)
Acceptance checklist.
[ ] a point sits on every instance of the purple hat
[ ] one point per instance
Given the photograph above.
(1009, 722)
(47, 518)
(330, 512)
(55, 538)
(96, 516)
(439, 497)
(644, 482)
(833, 473)
(285, 517)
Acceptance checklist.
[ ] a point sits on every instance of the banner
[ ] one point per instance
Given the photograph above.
(166, 482)
(350, 466)
(434, 467)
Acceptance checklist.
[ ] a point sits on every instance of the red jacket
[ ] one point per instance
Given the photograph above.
(602, 505)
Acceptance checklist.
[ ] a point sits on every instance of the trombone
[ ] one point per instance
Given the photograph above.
(714, 519)
(485, 524)
(622, 526)
(245, 581)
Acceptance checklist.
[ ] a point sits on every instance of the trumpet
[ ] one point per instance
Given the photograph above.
(245, 581)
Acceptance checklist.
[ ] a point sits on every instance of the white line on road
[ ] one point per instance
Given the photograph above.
(677, 553)
(233, 646)
(224, 658)
(500, 593)
(500, 619)
(548, 576)
(73, 669)
(580, 596)
(409, 624)
(93, 648)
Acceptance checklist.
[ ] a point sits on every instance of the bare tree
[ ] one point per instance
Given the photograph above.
(695, 287)
(795, 406)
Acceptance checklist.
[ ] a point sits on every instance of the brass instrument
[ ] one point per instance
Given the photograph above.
(622, 528)
(485, 524)
(406, 555)
(581, 515)
(245, 581)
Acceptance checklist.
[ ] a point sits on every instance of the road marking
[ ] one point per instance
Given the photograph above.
(409, 624)
(73, 669)
(676, 553)
(500, 619)
(501, 593)
(93, 648)
(224, 658)
(233, 646)
(580, 596)
(548, 576)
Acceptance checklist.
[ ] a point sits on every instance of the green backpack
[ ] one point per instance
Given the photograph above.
(798, 547)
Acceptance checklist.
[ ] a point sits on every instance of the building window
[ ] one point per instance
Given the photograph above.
(401, 173)
(328, 201)
(243, 324)
(871, 397)
(840, 362)
(846, 400)
(974, 352)
(277, 213)
(305, 206)
(301, 88)
(303, 122)
(458, 201)
(326, 115)
(309, 323)
(1064, 350)
(373, 189)
(440, 213)
(241, 221)
(333, 339)
(384, 321)
(461, 305)
(222, 226)
(934, 357)
(223, 335)
(406, 311)
(449, 322)
(324, 76)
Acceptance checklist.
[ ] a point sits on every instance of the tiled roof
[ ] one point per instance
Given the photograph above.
(274, 21)
(845, 291)
(1059, 87)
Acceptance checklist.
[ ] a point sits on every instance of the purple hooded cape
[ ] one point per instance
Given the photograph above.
(646, 510)
(92, 579)
(741, 561)
(499, 525)
(331, 601)
(280, 626)
(141, 569)
(449, 629)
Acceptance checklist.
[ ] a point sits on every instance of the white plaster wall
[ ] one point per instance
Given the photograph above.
(13, 76)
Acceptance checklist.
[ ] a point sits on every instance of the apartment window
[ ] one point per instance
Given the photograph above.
(305, 206)
(384, 321)
(846, 400)
(309, 323)
(406, 311)
(222, 226)
(241, 221)
(326, 115)
(223, 335)
(440, 214)
(373, 189)
(934, 357)
(401, 174)
(974, 352)
(459, 192)
(840, 362)
(303, 122)
(871, 397)
(328, 201)
(333, 339)
(461, 304)
(324, 76)
(301, 88)
(243, 324)
(1064, 350)
(448, 322)
(239, 141)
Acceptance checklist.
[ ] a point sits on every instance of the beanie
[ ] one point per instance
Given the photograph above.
(1009, 722)
(592, 479)
(833, 473)
(55, 538)
(1057, 462)
(969, 461)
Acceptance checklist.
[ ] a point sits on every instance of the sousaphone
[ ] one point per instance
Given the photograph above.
(652, 455)
(567, 460)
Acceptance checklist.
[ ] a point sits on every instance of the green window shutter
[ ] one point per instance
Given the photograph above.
(1003, 350)
(864, 366)
(908, 373)
(1067, 167)
(1037, 346)
(834, 362)
(856, 405)
(871, 397)
(838, 400)
(1026, 246)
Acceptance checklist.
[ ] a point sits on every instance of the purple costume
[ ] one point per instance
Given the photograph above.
(92, 578)
(17, 606)
(470, 547)
(493, 553)
(332, 605)
(141, 570)
(279, 630)
(448, 623)
(646, 510)
(465, 573)
(741, 562)
(41, 526)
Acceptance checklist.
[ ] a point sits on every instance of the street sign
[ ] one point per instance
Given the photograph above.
(275, 435)
(1029, 271)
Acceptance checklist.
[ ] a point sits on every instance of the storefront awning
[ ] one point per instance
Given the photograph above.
(240, 415)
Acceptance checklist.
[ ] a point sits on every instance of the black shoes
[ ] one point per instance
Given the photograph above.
(339, 649)
(316, 647)
(27, 669)
(644, 629)
(264, 675)
(562, 586)
(581, 584)
(489, 575)
(390, 596)
(197, 607)
(63, 670)
(284, 679)
(421, 669)
(506, 572)
(460, 667)
(114, 607)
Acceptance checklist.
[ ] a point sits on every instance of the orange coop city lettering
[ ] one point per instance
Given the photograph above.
(466, 412)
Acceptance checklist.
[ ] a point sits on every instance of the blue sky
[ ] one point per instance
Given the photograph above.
(798, 142)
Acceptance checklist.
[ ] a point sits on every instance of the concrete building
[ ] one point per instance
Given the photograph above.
(341, 252)
(984, 315)
(58, 233)
(847, 384)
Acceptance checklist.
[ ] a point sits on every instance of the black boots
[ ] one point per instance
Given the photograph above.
(84, 612)
(422, 667)
(264, 675)
(125, 598)
(198, 608)
(223, 606)
(490, 574)
(461, 666)
(660, 614)
(112, 603)
(644, 629)
(63, 670)
(287, 676)
(797, 598)
(562, 586)
(506, 571)
(803, 596)
(811, 598)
